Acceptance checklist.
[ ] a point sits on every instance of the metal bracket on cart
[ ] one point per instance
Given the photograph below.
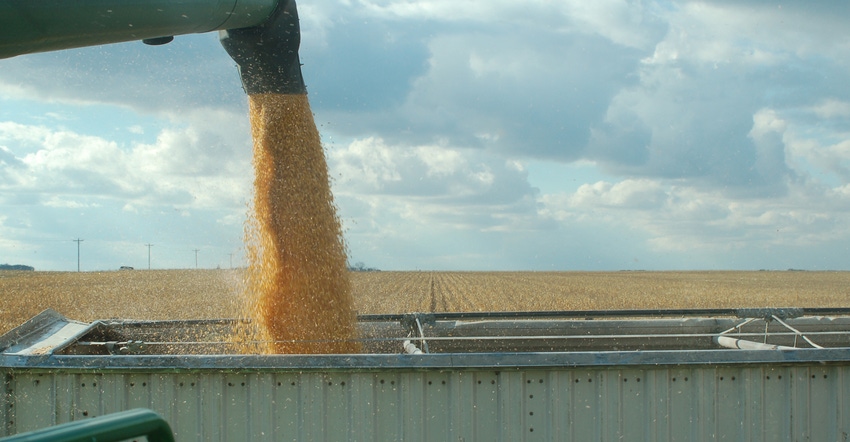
(412, 322)
(767, 315)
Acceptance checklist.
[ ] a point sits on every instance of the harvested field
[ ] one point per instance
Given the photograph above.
(134, 294)
(187, 294)
(396, 292)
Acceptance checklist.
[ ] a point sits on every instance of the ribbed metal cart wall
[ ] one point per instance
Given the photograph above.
(807, 401)
(674, 387)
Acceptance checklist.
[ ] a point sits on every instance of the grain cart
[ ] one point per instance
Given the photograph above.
(768, 375)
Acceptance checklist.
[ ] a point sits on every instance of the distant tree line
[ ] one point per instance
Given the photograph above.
(361, 267)
(16, 267)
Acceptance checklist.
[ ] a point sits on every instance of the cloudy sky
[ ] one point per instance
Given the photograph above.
(474, 135)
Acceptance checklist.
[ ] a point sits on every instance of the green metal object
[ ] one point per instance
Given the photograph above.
(110, 428)
(28, 26)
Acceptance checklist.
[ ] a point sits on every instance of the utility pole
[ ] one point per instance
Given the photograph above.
(196, 257)
(149, 255)
(78, 241)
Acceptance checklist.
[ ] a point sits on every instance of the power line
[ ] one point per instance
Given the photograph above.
(78, 241)
(149, 255)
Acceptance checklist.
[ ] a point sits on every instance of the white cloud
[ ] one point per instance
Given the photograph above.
(643, 194)
(59, 116)
(832, 108)
(440, 161)
(624, 23)
(430, 185)
(748, 33)
(682, 218)
(199, 166)
(816, 152)
(66, 203)
(369, 161)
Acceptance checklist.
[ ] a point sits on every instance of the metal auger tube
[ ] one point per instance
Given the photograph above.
(29, 26)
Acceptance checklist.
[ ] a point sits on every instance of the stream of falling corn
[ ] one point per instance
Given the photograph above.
(298, 293)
